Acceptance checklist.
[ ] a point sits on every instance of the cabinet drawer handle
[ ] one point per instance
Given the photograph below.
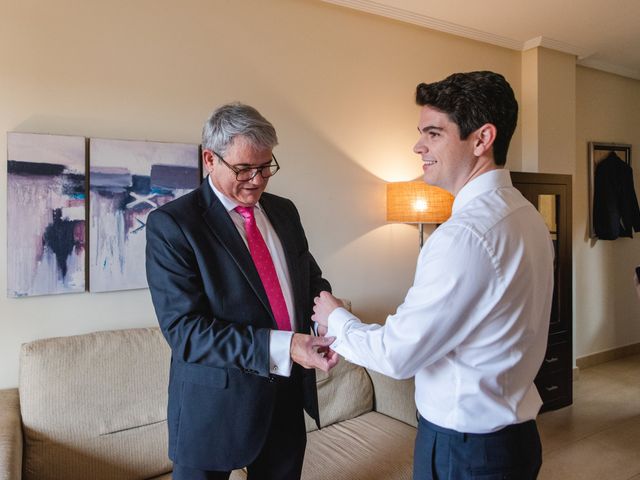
(551, 360)
(551, 388)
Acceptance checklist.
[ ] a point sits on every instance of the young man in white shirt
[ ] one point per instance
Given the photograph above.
(473, 327)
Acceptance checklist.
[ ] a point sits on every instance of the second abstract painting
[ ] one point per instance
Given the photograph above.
(127, 180)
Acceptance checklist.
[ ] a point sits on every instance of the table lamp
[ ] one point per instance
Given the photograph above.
(417, 202)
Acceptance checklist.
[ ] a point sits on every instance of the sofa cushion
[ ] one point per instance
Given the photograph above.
(369, 447)
(345, 392)
(394, 398)
(235, 475)
(10, 435)
(94, 406)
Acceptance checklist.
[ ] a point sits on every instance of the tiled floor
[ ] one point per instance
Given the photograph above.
(598, 437)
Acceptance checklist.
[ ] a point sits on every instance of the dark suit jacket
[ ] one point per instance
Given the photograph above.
(615, 207)
(215, 315)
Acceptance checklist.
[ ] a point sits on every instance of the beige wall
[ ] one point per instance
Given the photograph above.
(606, 308)
(547, 116)
(557, 118)
(530, 109)
(337, 84)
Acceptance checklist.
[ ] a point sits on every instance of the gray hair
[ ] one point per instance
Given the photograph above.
(237, 119)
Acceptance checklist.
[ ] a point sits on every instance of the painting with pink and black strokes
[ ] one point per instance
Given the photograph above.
(45, 214)
(127, 180)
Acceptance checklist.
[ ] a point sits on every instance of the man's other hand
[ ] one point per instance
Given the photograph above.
(324, 304)
(313, 352)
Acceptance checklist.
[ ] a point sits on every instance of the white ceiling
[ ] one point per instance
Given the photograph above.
(603, 34)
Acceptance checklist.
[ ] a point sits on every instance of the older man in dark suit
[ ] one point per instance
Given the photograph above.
(232, 283)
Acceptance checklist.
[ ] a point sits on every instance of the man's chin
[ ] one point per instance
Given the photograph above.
(427, 179)
(250, 200)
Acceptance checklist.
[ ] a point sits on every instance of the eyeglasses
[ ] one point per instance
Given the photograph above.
(248, 174)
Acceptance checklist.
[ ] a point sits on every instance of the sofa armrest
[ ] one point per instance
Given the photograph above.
(10, 435)
(394, 398)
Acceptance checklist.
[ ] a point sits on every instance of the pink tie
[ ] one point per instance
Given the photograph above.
(264, 264)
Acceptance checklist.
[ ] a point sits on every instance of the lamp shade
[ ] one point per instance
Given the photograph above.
(417, 202)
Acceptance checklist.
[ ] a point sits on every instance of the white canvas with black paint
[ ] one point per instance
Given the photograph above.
(45, 214)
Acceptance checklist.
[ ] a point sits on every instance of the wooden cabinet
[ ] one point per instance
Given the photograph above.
(551, 195)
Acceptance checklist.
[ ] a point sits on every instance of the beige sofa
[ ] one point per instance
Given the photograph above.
(92, 407)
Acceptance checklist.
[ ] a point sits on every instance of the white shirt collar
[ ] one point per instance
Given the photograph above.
(228, 204)
(491, 180)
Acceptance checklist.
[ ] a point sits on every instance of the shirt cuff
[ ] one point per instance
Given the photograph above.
(337, 320)
(280, 362)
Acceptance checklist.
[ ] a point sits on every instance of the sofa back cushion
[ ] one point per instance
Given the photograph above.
(395, 398)
(345, 392)
(94, 406)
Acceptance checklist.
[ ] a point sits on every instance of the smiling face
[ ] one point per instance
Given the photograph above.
(447, 160)
(240, 154)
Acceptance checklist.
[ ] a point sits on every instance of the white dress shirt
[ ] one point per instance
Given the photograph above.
(280, 362)
(473, 327)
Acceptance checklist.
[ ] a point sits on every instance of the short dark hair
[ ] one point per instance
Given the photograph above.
(473, 99)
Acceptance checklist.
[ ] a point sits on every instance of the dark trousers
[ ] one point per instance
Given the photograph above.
(282, 455)
(513, 453)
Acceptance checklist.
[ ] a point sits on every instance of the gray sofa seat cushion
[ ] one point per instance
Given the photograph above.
(372, 446)
(235, 475)
(94, 406)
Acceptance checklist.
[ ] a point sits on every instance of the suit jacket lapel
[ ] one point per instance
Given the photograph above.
(220, 223)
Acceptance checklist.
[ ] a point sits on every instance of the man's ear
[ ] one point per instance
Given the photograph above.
(207, 160)
(484, 138)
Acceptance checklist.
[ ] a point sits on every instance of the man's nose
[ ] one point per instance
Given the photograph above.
(419, 147)
(258, 179)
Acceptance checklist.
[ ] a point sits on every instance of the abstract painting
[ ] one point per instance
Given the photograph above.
(127, 181)
(45, 214)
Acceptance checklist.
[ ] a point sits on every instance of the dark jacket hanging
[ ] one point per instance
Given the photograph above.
(615, 207)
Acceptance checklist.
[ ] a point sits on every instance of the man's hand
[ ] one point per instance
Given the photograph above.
(325, 303)
(313, 352)
(322, 330)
